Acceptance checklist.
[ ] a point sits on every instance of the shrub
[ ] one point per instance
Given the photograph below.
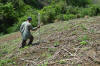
(72, 10)
(8, 16)
(56, 44)
(85, 11)
(83, 42)
(49, 13)
(60, 17)
(80, 3)
(95, 10)
(62, 61)
(84, 38)
(92, 10)
(69, 16)
(4, 62)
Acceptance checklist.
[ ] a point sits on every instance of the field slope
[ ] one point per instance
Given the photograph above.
(65, 43)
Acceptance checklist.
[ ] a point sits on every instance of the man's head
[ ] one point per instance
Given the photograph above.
(29, 19)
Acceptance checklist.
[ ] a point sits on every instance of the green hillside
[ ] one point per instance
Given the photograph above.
(64, 43)
(13, 13)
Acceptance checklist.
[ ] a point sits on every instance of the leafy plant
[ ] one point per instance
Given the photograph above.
(83, 27)
(51, 49)
(44, 64)
(80, 3)
(83, 38)
(5, 62)
(62, 61)
(83, 42)
(56, 44)
(70, 16)
(92, 30)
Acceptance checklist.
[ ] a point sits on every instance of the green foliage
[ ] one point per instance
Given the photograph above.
(83, 42)
(95, 10)
(56, 44)
(80, 3)
(7, 10)
(14, 12)
(49, 13)
(1, 34)
(70, 16)
(44, 64)
(83, 27)
(5, 62)
(92, 31)
(92, 10)
(8, 16)
(72, 10)
(62, 61)
(60, 17)
(51, 49)
(84, 38)
(84, 11)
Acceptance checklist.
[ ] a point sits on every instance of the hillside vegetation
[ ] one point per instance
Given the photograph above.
(13, 13)
(64, 43)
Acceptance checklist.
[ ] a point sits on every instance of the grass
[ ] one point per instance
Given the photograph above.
(7, 62)
(45, 64)
(83, 38)
(62, 61)
(92, 31)
(46, 55)
(83, 27)
(51, 49)
(79, 65)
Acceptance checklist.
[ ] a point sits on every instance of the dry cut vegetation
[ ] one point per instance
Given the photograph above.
(74, 42)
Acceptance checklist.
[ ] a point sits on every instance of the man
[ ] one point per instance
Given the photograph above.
(25, 32)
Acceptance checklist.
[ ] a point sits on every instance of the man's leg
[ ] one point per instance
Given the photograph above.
(31, 40)
(23, 43)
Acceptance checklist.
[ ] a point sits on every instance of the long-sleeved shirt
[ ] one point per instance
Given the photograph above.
(25, 30)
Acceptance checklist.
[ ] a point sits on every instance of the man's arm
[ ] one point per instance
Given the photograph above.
(34, 28)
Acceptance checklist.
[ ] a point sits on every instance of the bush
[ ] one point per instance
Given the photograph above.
(72, 10)
(92, 10)
(95, 10)
(60, 17)
(80, 3)
(70, 16)
(49, 13)
(12, 29)
(5, 62)
(83, 42)
(8, 16)
(85, 11)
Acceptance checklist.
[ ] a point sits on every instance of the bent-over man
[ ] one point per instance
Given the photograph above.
(25, 32)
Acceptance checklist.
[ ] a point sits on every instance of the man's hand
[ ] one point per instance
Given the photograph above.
(38, 26)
